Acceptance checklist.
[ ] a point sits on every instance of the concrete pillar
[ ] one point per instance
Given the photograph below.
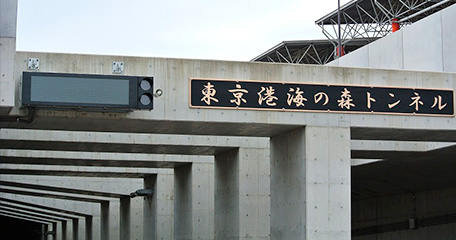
(310, 184)
(89, 228)
(48, 229)
(242, 202)
(44, 228)
(159, 210)
(194, 201)
(75, 229)
(54, 231)
(8, 20)
(63, 234)
(165, 205)
(104, 221)
(150, 209)
(125, 218)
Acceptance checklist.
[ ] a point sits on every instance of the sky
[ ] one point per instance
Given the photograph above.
(236, 30)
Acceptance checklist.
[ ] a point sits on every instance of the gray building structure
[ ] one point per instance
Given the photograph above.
(233, 173)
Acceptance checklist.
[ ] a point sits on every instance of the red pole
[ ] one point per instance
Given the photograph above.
(395, 25)
(340, 53)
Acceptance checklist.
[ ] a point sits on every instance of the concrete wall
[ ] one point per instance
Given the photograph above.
(427, 45)
(400, 208)
(8, 15)
(171, 75)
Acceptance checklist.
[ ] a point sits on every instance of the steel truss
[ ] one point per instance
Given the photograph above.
(372, 19)
(362, 22)
(305, 52)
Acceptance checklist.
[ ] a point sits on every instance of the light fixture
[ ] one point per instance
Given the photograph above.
(158, 93)
(142, 193)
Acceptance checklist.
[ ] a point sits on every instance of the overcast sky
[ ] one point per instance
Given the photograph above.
(202, 29)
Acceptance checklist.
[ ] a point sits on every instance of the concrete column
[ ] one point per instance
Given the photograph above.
(8, 19)
(125, 218)
(63, 234)
(165, 205)
(44, 228)
(242, 202)
(75, 229)
(54, 230)
(159, 210)
(89, 228)
(194, 201)
(150, 209)
(310, 184)
(64, 230)
(104, 221)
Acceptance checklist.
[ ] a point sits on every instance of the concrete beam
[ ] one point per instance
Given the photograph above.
(123, 143)
(374, 149)
(171, 113)
(403, 134)
(97, 122)
(36, 172)
(399, 146)
(49, 195)
(6, 214)
(28, 204)
(61, 189)
(27, 212)
(37, 211)
(69, 171)
(360, 161)
(27, 216)
(101, 159)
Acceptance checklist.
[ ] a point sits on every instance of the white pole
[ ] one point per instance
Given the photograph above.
(339, 47)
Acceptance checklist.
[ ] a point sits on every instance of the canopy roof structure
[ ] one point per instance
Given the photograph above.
(306, 51)
(372, 19)
(362, 22)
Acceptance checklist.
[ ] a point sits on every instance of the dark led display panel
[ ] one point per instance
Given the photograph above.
(82, 91)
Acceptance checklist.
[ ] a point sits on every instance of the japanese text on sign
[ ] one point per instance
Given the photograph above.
(211, 93)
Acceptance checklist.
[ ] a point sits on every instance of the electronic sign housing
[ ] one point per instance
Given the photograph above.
(86, 91)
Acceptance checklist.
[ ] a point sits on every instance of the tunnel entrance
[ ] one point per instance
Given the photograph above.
(17, 229)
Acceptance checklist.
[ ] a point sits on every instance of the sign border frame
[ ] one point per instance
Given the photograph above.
(315, 111)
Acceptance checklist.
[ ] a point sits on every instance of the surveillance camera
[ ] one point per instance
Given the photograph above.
(142, 193)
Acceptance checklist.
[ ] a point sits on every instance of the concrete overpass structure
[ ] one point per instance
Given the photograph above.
(228, 173)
